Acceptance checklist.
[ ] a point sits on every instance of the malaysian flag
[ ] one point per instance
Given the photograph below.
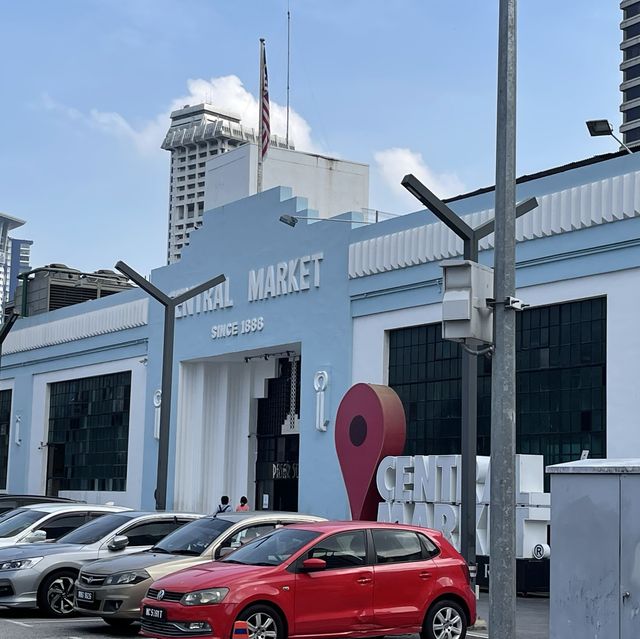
(264, 104)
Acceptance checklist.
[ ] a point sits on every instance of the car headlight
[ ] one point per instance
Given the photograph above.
(133, 577)
(20, 564)
(201, 597)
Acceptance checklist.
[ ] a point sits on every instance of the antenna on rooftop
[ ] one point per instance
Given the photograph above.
(288, 65)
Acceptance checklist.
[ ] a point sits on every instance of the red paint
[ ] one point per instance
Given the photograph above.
(370, 425)
(377, 597)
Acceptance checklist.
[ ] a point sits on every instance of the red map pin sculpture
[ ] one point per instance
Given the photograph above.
(370, 425)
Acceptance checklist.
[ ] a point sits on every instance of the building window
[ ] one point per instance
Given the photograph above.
(632, 11)
(631, 114)
(632, 52)
(5, 430)
(560, 377)
(632, 136)
(632, 93)
(632, 73)
(632, 31)
(89, 433)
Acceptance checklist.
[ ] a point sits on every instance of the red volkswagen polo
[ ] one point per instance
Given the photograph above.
(348, 579)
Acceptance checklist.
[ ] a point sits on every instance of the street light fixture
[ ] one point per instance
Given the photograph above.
(292, 220)
(169, 304)
(598, 128)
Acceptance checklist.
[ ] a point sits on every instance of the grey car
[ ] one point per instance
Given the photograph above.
(42, 575)
(113, 588)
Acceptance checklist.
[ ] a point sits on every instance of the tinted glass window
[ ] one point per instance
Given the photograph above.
(632, 93)
(560, 380)
(632, 136)
(273, 549)
(95, 530)
(631, 114)
(632, 52)
(150, 533)
(5, 427)
(631, 11)
(632, 31)
(18, 522)
(344, 550)
(245, 535)
(394, 546)
(632, 72)
(430, 547)
(58, 526)
(193, 538)
(89, 433)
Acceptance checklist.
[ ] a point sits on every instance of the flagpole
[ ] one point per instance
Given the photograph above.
(260, 118)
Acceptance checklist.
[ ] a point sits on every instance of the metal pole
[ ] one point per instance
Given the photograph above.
(169, 304)
(165, 415)
(469, 440)
(502, 585)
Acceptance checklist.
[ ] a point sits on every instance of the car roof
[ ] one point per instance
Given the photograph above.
(47, 507)
(267, 515)
(337, 526)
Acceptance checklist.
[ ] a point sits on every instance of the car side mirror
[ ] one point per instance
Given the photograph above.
(313, 564)
(35, 536)
(119, 542)
(223, 552)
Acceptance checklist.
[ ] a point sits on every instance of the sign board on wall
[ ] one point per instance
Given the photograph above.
(425, 490)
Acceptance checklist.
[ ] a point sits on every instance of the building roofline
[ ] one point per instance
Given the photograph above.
(194, 109)
(542, 174)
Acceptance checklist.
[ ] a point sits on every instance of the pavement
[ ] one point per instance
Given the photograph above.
(532, 617)
(532, 623)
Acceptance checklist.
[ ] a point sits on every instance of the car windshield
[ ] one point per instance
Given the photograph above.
(272, 549)
(15, 522)
(193, 538)
(95, 530)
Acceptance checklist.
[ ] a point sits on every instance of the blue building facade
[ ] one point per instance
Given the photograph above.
(333, 304)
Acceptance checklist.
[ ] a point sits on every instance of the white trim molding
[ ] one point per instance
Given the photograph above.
(609, 200)
(69, 329)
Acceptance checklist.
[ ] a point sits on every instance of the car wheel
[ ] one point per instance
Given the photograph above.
(263, 622)
(119, 624)
(445, 620)
(55, 595)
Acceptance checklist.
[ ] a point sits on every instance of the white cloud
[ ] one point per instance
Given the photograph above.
(393, 164)
(227, 93)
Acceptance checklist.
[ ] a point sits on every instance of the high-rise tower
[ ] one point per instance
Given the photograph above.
(630, 68)
(196, 134)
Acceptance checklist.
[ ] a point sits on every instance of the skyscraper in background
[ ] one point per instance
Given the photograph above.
(14, 258)
(630, 68)
(196, 134)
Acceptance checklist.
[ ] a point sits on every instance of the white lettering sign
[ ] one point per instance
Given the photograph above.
(284, 278)
(233, 329)
(425, 490)
(206, 302)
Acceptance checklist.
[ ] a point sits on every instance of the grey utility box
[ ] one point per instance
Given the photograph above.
(466, 317)
(595, 549)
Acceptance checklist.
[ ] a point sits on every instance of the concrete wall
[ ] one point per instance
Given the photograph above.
(330, 186)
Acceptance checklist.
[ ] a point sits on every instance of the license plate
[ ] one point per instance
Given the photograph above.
(83, 595)
(157, 614)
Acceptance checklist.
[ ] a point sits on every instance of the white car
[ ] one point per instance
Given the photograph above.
(47, 522)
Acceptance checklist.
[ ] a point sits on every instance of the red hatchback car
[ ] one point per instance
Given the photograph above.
(347, 579)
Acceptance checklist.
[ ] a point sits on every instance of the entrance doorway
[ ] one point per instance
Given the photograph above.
(278, 440)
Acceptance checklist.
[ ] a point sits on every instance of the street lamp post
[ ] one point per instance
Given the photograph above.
(6, 327)
(169, 304)
(470, 238)
(502, 546)
(598, 128)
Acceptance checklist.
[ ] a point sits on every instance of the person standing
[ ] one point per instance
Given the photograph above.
(243, 505)
(224, 506)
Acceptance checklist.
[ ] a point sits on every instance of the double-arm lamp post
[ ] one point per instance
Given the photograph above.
(470, 239)
(169, 304)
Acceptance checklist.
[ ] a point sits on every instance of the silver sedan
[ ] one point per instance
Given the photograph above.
(42, 575)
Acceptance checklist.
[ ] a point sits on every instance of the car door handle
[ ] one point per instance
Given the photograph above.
(425, 575)
(364, 580)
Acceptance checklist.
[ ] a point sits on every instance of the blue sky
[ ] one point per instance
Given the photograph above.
(88, 85)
